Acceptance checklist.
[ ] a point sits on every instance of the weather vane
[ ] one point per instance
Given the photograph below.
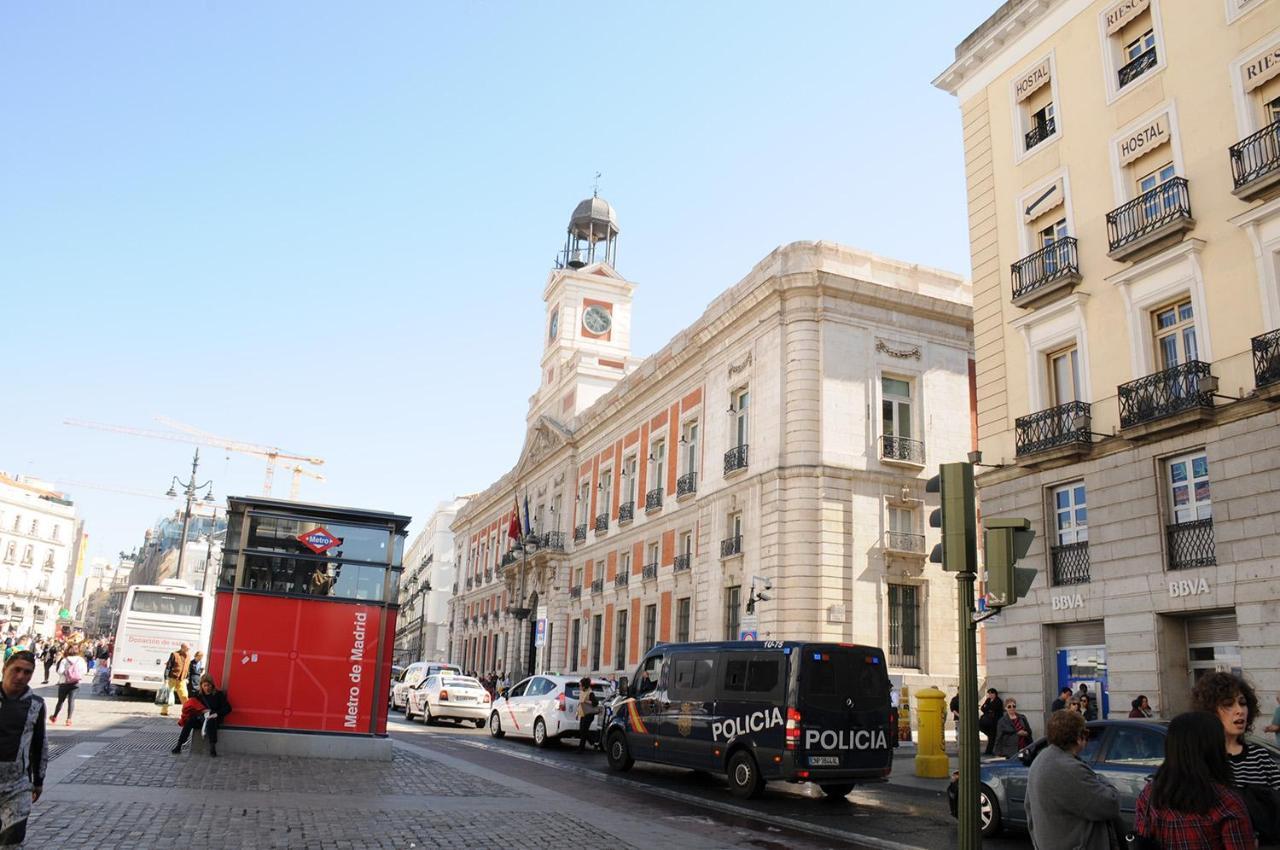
(595, 186)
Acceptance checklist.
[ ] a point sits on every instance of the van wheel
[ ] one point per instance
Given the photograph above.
(495, 726)
(618, 754)
(836, 790)
(540, 733)
(744, 776)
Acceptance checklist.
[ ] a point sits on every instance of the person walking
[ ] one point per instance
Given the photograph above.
(1141, 708)
(1069, 807)
(24, 748)
(195, 672)
(215, 710)
(70, 670)
(988, 717)
(588, 707)
(49, 657)
(1256, 776)
(1013, 731)
(1190, 803)
(175, 674)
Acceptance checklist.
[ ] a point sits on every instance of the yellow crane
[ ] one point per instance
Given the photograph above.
(194, 435)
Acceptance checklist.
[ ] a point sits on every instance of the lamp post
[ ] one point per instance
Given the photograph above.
(189, 488)
(519, 611)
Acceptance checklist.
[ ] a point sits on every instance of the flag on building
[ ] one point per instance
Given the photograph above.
(513, 529)
(528, 520)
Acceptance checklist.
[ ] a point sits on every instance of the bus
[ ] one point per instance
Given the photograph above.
(154, 620)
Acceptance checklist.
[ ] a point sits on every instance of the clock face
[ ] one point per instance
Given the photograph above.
(554, 330)
(597, 319)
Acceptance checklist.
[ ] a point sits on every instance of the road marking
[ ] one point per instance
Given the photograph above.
(715, 805)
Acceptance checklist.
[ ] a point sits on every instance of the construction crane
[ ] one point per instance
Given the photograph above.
(197, 508)
(193, 435)
(298, 471)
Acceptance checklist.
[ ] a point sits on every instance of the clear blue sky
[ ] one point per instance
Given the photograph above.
(327, 226)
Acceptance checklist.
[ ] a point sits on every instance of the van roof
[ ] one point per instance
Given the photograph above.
(758, 645)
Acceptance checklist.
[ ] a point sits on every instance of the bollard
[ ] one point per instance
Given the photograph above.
(931, 757)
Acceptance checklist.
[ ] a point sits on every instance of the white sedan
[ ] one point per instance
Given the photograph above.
(544, 708)
(445, 696)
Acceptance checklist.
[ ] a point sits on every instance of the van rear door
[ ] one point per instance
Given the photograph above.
(843, 700)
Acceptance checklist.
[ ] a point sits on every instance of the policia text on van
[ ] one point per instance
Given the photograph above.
(760, 710)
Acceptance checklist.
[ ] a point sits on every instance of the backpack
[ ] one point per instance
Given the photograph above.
(72, 672)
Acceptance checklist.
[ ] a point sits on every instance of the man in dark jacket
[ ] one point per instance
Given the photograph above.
(24, 750)
(216, 708)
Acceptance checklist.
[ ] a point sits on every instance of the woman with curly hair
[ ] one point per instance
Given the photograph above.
(1232, 700)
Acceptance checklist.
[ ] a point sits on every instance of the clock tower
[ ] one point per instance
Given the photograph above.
(588, 317)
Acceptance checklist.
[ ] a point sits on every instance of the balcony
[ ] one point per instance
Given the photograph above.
(1165, 394)
(682, 562)
(508, 558)
(471, 582)
(1070, 563)
(1191, 544)
(1255, 163)
(650, 572)
(735, 459)
(1151, 219)
(1145, 61)
(597, 587)
(901, 450)
(602, 523)
(626, 512)
(552, 541)
(904, 543)
(1063, 430)
(686, 485)
(1054, 269)
(653, 499)
(622, 579)
(1040, 132)
(731, 546)
(580, 533)
(1266, 361)
(575, 592)
(488, 574)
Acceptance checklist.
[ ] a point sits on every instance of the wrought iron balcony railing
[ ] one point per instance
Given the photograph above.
(622, 579)
(901, 449)
(575, 592)
(626, 512)
(1162, 210)
(1266, 359)
(1191, 544)
(508, 558)
(904, 541)
(653, 499)
(682, 562)
(597, 587)
(1040, 132)
(553, 541)
(1063, 425)
(904, 659)
(1255, 157)
(488, 574)
(731, 546)
(471, 582)
(1164, 393)
(735, 459)
(602, 523)
(1051, 264)
(687, 484)
(579, 533)
(1070, 563)
(1143, 62)
(650, 572)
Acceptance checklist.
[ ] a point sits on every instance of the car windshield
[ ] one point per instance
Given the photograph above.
(461, 683)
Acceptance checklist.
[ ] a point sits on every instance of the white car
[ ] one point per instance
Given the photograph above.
(413, 676)
(544, 708)
(445, 696)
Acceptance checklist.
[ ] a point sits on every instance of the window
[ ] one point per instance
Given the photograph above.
(1134, 746)
(693, 678)
(658, 453)
(173, 604)
(1159, 203)
(650, 626)
(28, 555)
(901, 520)
(629, 479)
(735, 526)
(35, 528)
(620, 645)
(895, 407)
(653, 553)
(1189, 488)
(684, 608)
(690, 443)
(756, 673)
(55, 533)
(904, 626)
(16, 520)
(1064, 376)
(575, 633)
(10, 553)
(624, 564)
(738, 409)
(597, 634)
(686, 544)
(1140, 45)
(1070, 515)
(1271, 111)
(584, 502)
(1042, 123)
(606, 492)
(1175, 334)
(732, 611)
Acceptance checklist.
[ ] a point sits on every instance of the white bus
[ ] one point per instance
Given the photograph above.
(154, 621)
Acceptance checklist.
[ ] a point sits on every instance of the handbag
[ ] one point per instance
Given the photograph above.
(1133, 841)
(164, 696)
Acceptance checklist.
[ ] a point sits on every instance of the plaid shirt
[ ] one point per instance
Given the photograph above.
(1225, 826)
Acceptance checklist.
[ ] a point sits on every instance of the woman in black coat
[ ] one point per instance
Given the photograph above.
(989, 715)
(216, 708)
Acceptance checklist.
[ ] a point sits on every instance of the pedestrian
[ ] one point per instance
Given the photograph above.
(1190, 803)
(175, 674)
(1274, 725)
(1087, 708)
(24, 750)
(49, 657)
(1069, 807)
(70, 670)
(588, 707)
(195, 672)
(955, 712)
(1141, 708)
(1073, 704)
(988, 717)
(1013, 731)
(1064, 697)
(211, 709)
(1257, 777)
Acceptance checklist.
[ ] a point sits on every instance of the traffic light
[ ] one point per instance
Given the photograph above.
(1006, 541)
(958, 551)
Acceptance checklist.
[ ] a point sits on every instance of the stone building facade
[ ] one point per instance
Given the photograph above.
(38, 536)
(425, 588)
(779, 444)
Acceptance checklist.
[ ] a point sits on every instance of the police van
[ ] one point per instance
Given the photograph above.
(759, 711)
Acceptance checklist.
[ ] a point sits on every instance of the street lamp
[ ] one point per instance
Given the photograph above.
(189, 488)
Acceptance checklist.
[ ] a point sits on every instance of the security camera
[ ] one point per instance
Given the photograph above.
(763, 597)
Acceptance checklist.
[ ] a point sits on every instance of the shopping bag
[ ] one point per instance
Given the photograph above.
(164, 696)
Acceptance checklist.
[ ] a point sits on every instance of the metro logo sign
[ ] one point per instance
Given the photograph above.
(318, 540)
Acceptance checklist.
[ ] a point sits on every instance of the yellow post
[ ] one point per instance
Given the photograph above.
(931, 757)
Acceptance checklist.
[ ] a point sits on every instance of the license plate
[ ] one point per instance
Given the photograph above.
(465, 699)
(824, 761)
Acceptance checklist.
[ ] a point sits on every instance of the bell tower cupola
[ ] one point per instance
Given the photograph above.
(592, 236)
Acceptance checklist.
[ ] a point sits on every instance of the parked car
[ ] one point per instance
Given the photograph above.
(1126, 753)
(544, 708)
(445, 696)
(412, 676)
(396, 672)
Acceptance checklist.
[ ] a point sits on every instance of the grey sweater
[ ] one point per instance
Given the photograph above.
(1069, 806)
